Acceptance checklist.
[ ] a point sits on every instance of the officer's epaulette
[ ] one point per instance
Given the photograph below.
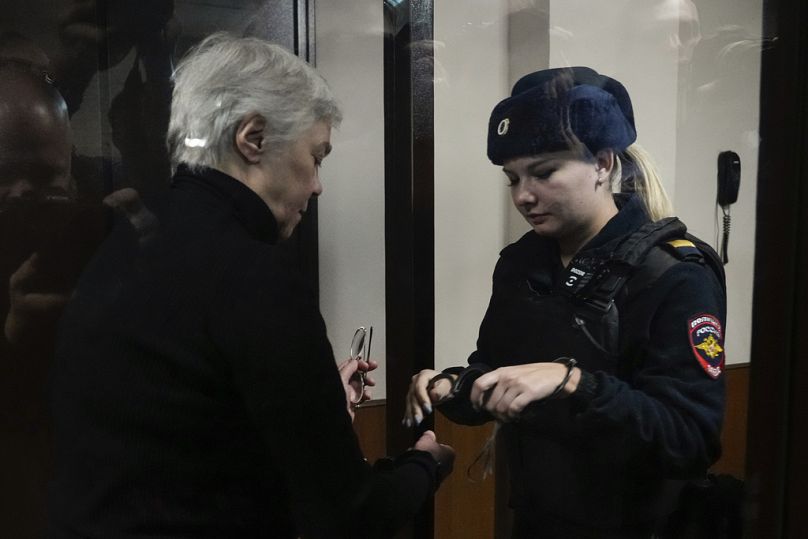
(684, 249)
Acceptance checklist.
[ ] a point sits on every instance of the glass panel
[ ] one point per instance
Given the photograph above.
(84, 101)
(692, 69)
(97, 151)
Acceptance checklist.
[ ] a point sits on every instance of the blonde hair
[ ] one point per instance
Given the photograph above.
(634, 171)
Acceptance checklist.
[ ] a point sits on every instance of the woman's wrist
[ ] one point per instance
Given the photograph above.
(572, 384)
(586, 389)
(568, 364)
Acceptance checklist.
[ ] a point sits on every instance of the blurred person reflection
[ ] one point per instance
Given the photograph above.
(16, 49)
(195, 392)
(35, 151)
(47, 234)
(96, 36)
(35, 148)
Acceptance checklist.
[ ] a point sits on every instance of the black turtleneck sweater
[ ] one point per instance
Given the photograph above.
(195, 392)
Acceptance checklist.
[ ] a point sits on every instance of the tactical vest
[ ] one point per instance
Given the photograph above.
(596, 286)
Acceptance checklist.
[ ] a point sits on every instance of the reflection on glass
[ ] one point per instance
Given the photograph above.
(85, 88)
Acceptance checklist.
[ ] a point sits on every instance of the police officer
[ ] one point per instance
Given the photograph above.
(601, 352)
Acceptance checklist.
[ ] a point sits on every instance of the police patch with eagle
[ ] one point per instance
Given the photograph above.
(707, 343)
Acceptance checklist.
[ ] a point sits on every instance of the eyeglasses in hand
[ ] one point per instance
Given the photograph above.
(360, 349)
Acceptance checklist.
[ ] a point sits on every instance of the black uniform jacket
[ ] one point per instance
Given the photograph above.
(609, 457)
(195, 392)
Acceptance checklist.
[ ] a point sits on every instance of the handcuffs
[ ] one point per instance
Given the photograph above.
(466, 377)
(462, 384)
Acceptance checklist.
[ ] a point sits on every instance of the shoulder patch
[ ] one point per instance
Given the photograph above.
(681, 243)
(684, 249)
(707, 343)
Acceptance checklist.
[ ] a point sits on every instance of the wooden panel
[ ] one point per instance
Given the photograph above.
(464, 507)
(733, 437)
(370, 429)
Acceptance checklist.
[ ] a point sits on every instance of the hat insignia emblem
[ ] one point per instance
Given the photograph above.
(503, 126)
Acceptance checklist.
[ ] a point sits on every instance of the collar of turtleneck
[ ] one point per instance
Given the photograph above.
(247, 206)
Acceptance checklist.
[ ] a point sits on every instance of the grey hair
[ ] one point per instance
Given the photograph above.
(224, 79)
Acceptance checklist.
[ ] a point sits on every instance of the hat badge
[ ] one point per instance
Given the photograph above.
(502, 128)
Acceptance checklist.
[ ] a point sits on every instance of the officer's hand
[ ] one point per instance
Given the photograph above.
(420, 400)
(506, 391)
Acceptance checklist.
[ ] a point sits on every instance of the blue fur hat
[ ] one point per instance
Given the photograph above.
(552, 109)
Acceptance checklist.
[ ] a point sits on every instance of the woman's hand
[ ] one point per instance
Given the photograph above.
(349, 373)
(420, 400)
(506, 391)
(443, 454)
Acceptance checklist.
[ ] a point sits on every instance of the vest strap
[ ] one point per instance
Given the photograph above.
(637, 261)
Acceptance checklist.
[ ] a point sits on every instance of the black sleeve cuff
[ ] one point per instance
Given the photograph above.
(436, 471)
(587, 389)
(458, 408)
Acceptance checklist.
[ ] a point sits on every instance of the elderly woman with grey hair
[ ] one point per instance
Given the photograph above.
(195, 390)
